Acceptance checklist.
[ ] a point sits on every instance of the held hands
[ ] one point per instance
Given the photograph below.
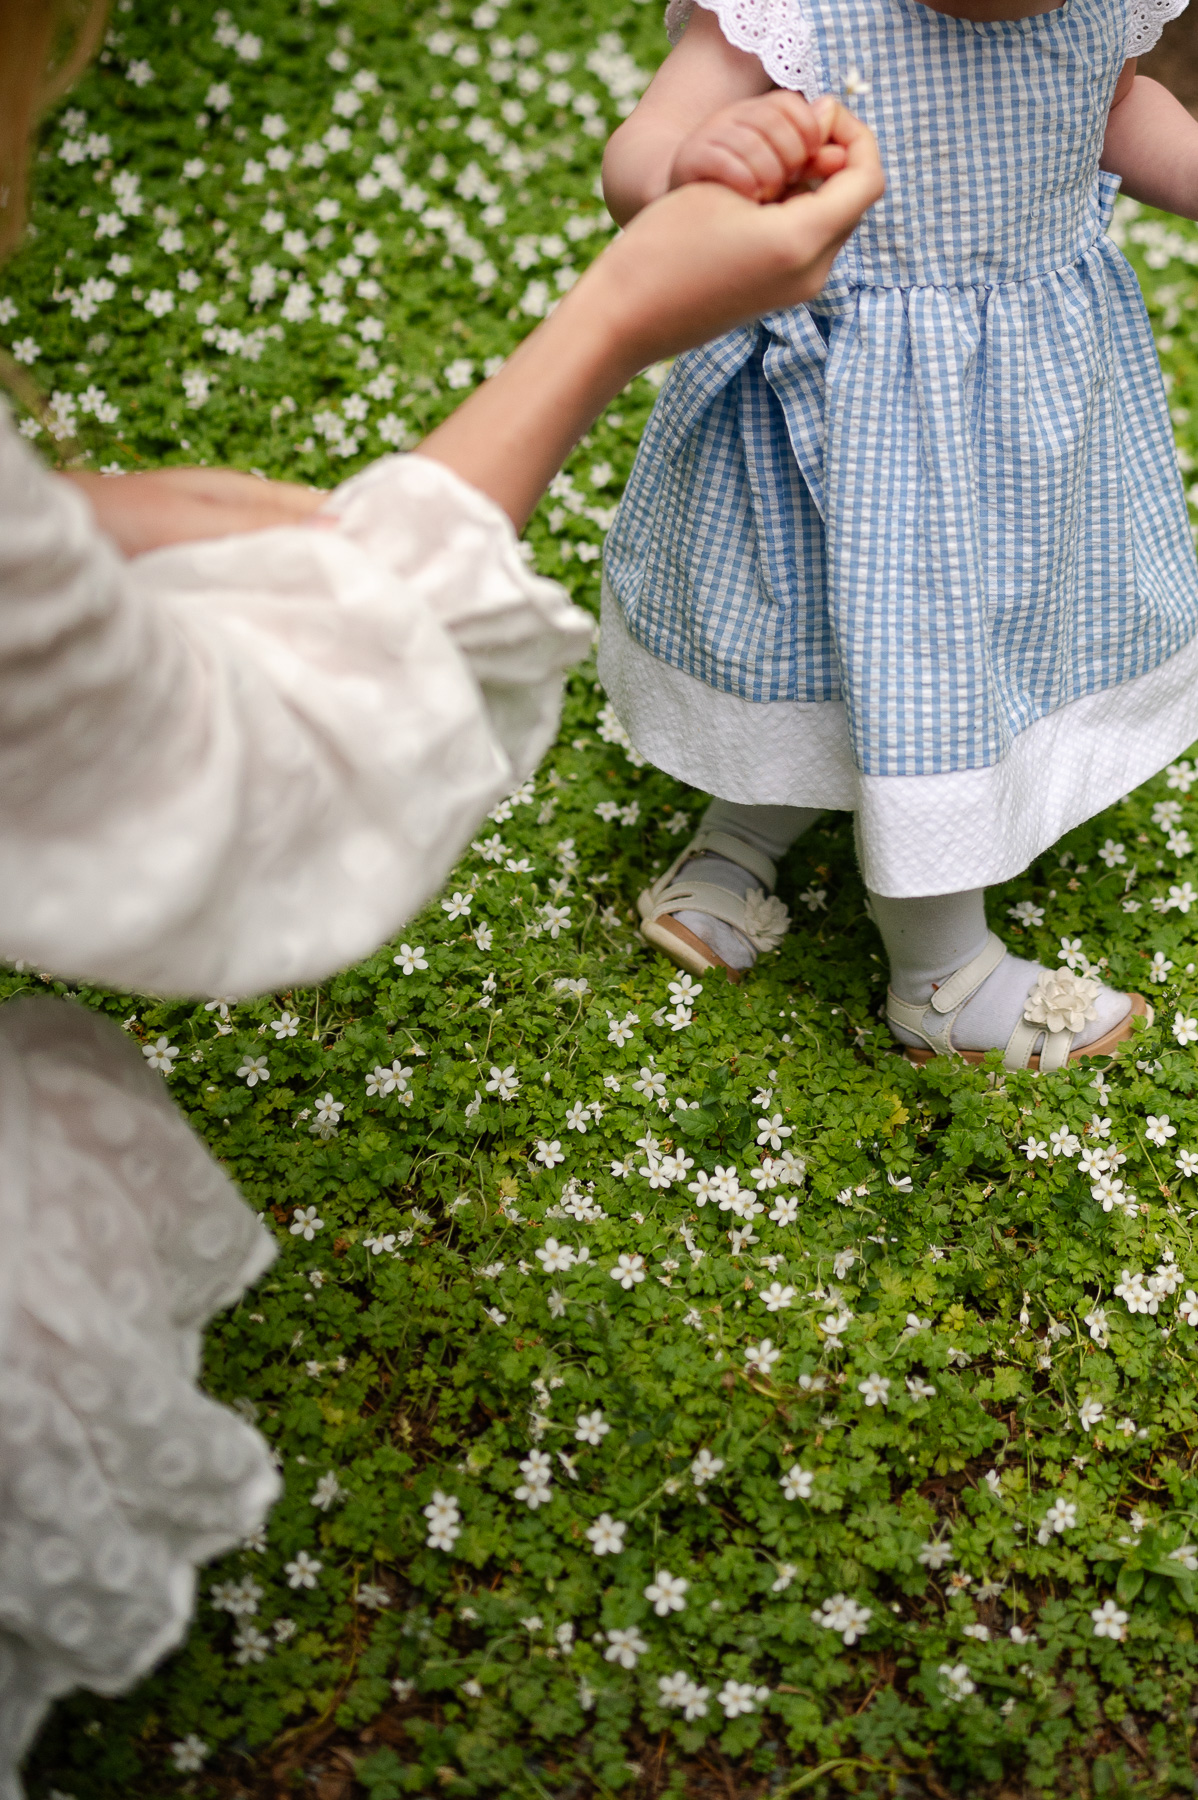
(762, 148)
(704, 258)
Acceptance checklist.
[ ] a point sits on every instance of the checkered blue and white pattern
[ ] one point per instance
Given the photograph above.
(945, 493)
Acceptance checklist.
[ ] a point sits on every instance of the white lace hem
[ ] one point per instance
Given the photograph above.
(775, 32)
(918, 834)
(119, 1237)
(1146, 19)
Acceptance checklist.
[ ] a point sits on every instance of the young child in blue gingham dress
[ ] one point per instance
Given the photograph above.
(918, 549)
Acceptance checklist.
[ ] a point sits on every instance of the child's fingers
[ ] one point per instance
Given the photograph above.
(828, 160)
(715, 161)
(730, 151)
(837, 206)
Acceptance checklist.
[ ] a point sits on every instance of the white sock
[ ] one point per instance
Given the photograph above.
(770, 830)
(927, 940)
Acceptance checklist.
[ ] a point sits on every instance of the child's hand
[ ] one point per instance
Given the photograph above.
(763, 148)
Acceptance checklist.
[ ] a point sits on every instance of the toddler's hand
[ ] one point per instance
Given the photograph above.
(763, 148)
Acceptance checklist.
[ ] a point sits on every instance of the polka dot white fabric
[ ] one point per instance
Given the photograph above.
(119, 1237)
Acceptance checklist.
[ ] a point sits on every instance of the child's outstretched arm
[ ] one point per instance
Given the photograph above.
(711, 113)
(1152, 142)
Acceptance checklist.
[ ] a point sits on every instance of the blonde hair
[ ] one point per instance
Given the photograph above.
(44, 45)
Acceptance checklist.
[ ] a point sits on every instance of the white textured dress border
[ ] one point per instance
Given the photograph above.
(918, 834)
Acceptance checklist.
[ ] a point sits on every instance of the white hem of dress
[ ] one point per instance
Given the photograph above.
(917, 834)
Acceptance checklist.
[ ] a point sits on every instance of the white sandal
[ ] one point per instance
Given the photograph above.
(1054, 1013)
(759, 914)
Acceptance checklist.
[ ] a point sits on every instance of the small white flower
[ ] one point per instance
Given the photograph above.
(1060, 1517)
(958, 1684)
(1187, 1163)
(443, 1513)
(410, 959)
(705, 1467)
(458, 905)
(619, 1031)
(651, 1084)
(606, 1537)
(738, 1697)
(504, 1082)
(1186, 1555)
(549, 1152)
(875, 1389)
(762, 1356)
(786, 1574)
(1033, 1148)
(624, 1647)
(771, 1131)
(673, 1689)
(556, 1257)
(161, 1055)
(1090, 1412)
(285, 1026)
(920, 1389)
(935, 1554)
(304, 1223)
(1063, 1142)
(1187, 1309)
(591, 1427)
(1159, 1130)
(797, 1482)
(189, 1754)
(1109, 1621)
(328, 1491)
(1158, 969)
(1026, 912)
(776, 1297)
(667, 1593)
(844, 1615)
(1185, 1030)
(303, 1571)
(629, 1270)
(253, 1070)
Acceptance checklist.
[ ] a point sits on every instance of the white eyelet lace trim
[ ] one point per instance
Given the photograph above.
(1146, 19)
(777, 34)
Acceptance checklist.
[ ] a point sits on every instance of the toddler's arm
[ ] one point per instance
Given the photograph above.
(1152, 142)
(711, 113)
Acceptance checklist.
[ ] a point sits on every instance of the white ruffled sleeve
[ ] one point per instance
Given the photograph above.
(776, 32)
(232, 766)
(1146, 19)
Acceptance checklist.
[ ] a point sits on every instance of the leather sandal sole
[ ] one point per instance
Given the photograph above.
(685, 949)
(1106, 1045)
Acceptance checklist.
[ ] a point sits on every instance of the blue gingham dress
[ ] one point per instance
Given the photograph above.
(920, 547)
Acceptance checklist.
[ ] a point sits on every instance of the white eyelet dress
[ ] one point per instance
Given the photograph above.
(920, 548)
(225, 767)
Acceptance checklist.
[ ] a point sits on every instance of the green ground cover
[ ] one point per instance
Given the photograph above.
(675, 1390)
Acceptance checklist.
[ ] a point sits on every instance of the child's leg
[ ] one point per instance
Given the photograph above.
(927, 940)
(715, 905)
(768, 830)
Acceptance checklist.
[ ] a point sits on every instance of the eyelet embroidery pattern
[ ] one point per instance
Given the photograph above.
(776, 33)
(1146, 19)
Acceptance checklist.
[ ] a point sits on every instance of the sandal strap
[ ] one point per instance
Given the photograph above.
(734, 850)
(762, 918)
(1021, 1047)
(952, 994)
(947, 999)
